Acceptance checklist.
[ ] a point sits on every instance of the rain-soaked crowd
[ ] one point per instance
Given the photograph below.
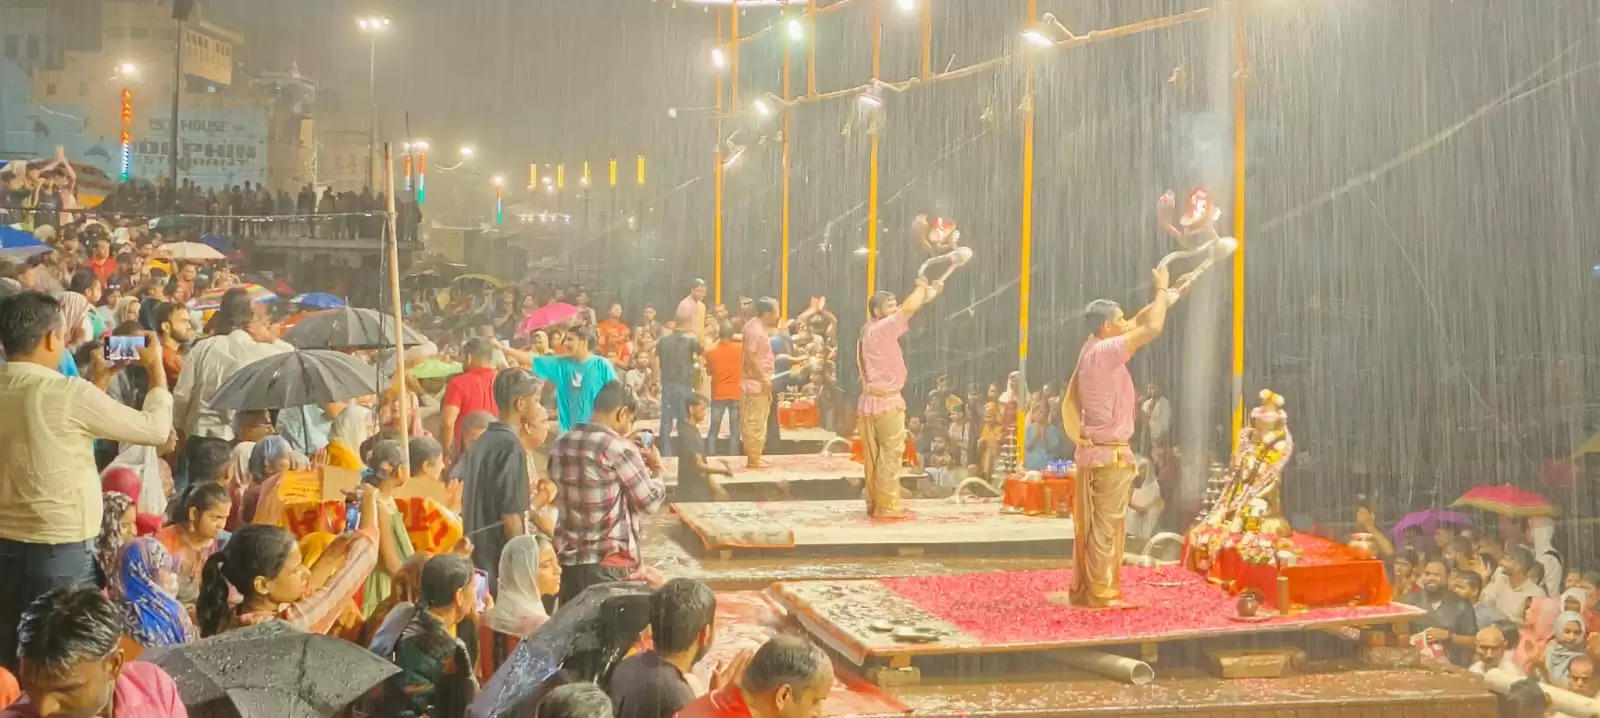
(138, 517)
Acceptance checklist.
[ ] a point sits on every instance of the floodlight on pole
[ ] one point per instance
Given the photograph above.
(797, 32)
(1047, 32)
(907, 6)
(127, 70)
(719, 58)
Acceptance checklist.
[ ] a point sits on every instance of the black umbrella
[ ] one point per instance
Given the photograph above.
(295, 378)
(271, 669)
(586, 638)
(348, 328)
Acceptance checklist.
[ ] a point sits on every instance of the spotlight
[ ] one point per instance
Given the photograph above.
(1047, 32)
(719, 58)
(796, 31)
(762, 108)
(907, 5)
(870, 98)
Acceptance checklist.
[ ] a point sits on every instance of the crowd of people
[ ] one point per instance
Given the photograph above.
(1502, 598)
(138, 513)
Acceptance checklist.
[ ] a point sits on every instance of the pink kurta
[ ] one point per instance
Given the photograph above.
(883, 364)
(1106, 399)
(758, 344)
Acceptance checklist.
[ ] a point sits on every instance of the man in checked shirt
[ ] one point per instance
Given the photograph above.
(604, 484)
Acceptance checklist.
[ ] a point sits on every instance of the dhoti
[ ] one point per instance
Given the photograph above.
(753, 411)
(883, 444)
(1099, 517)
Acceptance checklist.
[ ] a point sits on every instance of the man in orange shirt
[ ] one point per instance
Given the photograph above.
(614, 334)
(724, 361)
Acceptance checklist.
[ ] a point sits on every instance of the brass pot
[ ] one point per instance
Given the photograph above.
(1363, 545)
(1249, 601)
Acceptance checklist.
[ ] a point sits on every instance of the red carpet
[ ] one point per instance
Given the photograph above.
(1026, 606)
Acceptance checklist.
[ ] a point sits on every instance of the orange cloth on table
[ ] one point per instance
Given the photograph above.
(1327, 574)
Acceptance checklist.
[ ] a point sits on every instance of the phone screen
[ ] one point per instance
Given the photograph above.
(480, 580)
(123, 349)
(646, 438)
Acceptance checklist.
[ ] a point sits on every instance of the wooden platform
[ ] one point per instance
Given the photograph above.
(844, 526)
(792, 476)
(791, 440)
(1026, 612)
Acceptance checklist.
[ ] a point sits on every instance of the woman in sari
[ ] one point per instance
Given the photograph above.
(116, 528)
(1538, 627)
(388, 474)
(265, 565)
(528, 573)
(268, 461)
(142, 583)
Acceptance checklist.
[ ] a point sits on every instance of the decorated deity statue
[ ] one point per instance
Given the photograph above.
(1248, 509)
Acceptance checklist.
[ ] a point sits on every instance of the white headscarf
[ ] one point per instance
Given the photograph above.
(518, 606)
(152, 498)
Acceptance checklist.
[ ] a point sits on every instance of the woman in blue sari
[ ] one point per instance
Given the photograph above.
(145, 584)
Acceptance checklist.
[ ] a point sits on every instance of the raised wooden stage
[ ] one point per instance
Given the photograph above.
(895, 622)
(843, 527)
(798, 476)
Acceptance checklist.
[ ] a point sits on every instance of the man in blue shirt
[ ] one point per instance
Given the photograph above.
(577, 376)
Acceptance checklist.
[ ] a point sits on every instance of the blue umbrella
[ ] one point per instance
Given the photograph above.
(17, 245)
(318, 300)
(219, 243)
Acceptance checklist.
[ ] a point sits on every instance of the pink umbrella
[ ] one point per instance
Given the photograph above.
(548, 315)
(1506, 500)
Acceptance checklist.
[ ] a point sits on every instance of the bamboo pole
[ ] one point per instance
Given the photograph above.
(733, 55)
(783, 218)
(1239, 122)
(716, 182)
(391, 241)
(872, 166)
(1025, 293)
(927, 40)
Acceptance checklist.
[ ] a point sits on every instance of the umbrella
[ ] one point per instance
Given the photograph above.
(212, 298)
(548, 315)
(191, 252)
(348, 328)
(1506, 500)
(318, 300)
(270, 669)
(169, 222)
(495, 282)
(1429, 519)
(217, 242)
(435, 369)
(586, 637)
(17, 245)
(295, 378)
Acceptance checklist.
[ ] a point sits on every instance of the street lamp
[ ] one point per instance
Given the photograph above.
(372, 26)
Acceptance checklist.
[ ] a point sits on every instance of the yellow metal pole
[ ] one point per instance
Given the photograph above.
(927, 40)
(872, 167)
(716, 176)
(811, 48)
(783, 220)
(1239, 77)
(1025, 288)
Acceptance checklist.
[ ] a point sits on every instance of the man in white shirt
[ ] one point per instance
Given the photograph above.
(50, 496)
(1490, 652)
(210, 362)
(1510, 587)
(1155, 412)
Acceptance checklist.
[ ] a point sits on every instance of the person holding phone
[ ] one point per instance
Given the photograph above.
(50, 510)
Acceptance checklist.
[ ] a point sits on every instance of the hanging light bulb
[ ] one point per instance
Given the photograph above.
(719, 58)
(796, 31)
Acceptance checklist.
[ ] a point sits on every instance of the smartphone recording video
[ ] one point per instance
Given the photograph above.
(124, 349)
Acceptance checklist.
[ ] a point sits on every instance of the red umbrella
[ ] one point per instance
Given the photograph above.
(1506, 500)
(547, 315)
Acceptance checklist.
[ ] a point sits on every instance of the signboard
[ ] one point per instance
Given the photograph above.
(219, 147)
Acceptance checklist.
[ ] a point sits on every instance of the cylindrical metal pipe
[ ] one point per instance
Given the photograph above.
(1110, 665)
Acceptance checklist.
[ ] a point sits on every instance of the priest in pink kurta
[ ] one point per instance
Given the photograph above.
(1098, 416)
(882, 410)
